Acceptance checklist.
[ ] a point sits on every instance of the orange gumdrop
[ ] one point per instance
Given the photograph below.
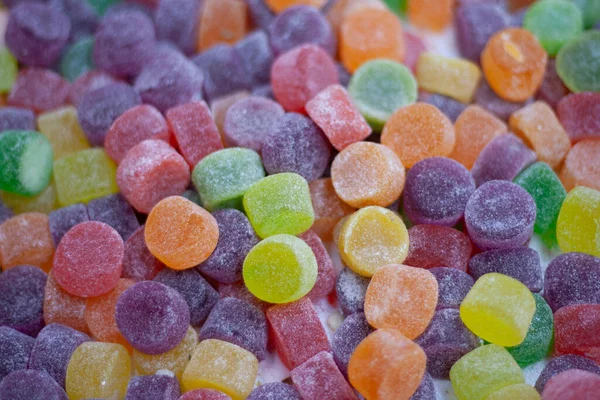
(431, 14)
(386, 365)
(417, 132)
(63, 308)
(474, 128)
(403, 298)
(368, 33)
(222, 21)
(514, 64)
(328, 207)
(367, 174)
(281, 5)
(26, 239)
(582, 165)
(180, 233)
(100, 315)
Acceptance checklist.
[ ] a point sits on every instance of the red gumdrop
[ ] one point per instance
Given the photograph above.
(414, 47)
(89, 259)
(577, 330)
(326, 274)
(239, 290)
(579, 115)
(138, 263)
(39, 90)
(88, 82)
(300, 74)
(319, 378)
(438, 246)
(572, 384)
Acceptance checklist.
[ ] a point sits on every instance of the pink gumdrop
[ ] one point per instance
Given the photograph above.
(573, 384)
(438, 246)
(326, 274)
(414, 47)
(138, 263)
(39, 90)
(319, 378)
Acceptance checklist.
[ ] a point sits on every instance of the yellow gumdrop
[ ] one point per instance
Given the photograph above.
(520, 391)
(45, 202)
(371, 238)
(63, 131)
(578, 225)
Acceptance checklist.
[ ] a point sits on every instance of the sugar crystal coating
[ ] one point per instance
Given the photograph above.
(353, 330)
(325, 273)
(176, 22)
(328, 207)
(26, 239)
(205, 394)
(88, 82)
(153, 387)
(274, 391)
(520, 263)
(576, 330)
(577, 226)
(572, 384)
(12, 118)
(487, 99)
(350, 289)
(575, 62)
(476, 23)
(563, 363)
(63, 308)
(15, 349)
(257, 55)
(576, 113)
(39, 90)
(453, 286)
(114, 211)
(426, 389)
(260, 14)
(552, 89)
(438, 246)
(572, 278)
(30, 384)
(580, 168)
(221, 21)
(138, 263)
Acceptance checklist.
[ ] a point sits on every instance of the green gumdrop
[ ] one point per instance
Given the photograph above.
(397, 6)
(222, 178)
(548, 192)
(380, 87)
(578, 64)
(590, 10)
(78, 59)
(278, 204)
(8, 70)
(192, 196)
(25, 162)
(554, 23)
(102, 5)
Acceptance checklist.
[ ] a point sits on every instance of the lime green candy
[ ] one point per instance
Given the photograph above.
(554, 23)
(8, 70)
(279, 203)
(78, 59)
(578, 64)
(25, 162)
(397, 6)
(590, 9)
(100, 6)
(280, 269)
(223, 177)
(380, 87)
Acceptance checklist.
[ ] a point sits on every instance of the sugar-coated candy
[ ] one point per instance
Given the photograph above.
(554, 23)
(520, 263)
(327, 206)
(426, 389)
(220, 106)
(452, 77)
(453, 286)
(552, 89)
(487, 99)
(257, 55)
(576, 114)
(153, 387)
(326, 274)
(450, 107)
(5, 214)
(260, 14)
(206, 394)
(430, 14)
(176, 22)
(319, 377)
(22, 299)
(414, 46)
(297, 332)
(62, 130)
(26, 239)
(114, 211)
(222, 21)
(180, 233)
(483, 371)
(500, 215)
(63, 308)
(77, 59)
(504, 323)
(88, 82)
(124, 42)
(89, 259)
(401, 297)
(83, 16)
(37, 33)
(15, 118)
(26, 158)
(476, 22)
(580, 167)
(350, 333)
(571, 385)
(437, 246)
(572, 278)
(380, 87)
(386, 365)
(15, 348)
(30, 384)
(138, 263)
(220, 365)
(563, 363)
(520, 391)
(98, 370)
(404, 133)
(53, 349)
(9, 68)
(576, 63)
(39, 90)
(300, 74)
(590, 11)
(222, 178)
(239, 290)
(45, 202)
(279, 204)
(350, 289)
(273, 390)
(371, 238)
(576, 330)
(577, 226)
(279, 6)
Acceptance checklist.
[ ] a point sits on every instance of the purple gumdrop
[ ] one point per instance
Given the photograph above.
(152, 317)
(36, 34)
(453, 286)
(260, 14)
(450, 107)
(176, 21)
(445, 341)
(426, 389)
(28, 384)
(516, 18)
(520, 263)
(15, 348)
(167, 82)
(83, 17)
(572, 278)
(239, 290)
(16, 118)
(63, 219)
(138, 263)
(475, 24)
(116, 212)
(257, 57)
(296, 144)
(22, 299)
(153, 387)
(300, 25)
(274, 391)
(224, 72)
(502, 159)
(563, 363)
(124, 42)
(486, 98)
(500, 215)
(343, 74)
(99, 108)
(552, 89)
(350, 333)
(351, 289)
(248, 121)
(236, 239)
(265, 91)
(194, 289)
(436, 191)
(53, 349)
(238, 322)
(5, 212)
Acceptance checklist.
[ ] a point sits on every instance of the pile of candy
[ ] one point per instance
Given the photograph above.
(178, 178)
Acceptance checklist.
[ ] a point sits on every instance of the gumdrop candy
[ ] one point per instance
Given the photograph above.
(62, 130)
(176, 23)
(260, 14)
(15, 350)
(450, 107)
(326, 274)
(30, 384)
(426, 389)
(62, 308)
(327, 206)
(453, 77)
(114, 211)
(239, 290)
(437, 246)
(554, 23)
(77, 59)
(563, 363)
(476, 22)
(279, 6)
(386, 365)
(15, 118)
(350, 333)
(180, 233)
(415, 46)
(45, 202)
(571, 385)
(576, 114)
(580, 168)
(153, 387)
(274, 390)
(500, 215)
(88, 82)
(89, 259)
(222, 178)
(138, 263)
(9, 68)
(552, 89)
(483, 371)
(26, 239)
(257, 55)
(350, 289)
(576, 330)
(297, 332)
(222, 21)
(490, 101)
(572, 278)
(220, 106)
(205, 394)
(453, 286)
(6, 213)
(319, 378)
(152, 317)
(98, 370)
(504, 323)
(222, 366)
(577, 226)
(39, 90)
(430, 14)
(520, 263)
(519, 391)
